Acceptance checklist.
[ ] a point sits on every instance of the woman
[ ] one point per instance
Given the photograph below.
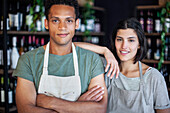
(138, 88)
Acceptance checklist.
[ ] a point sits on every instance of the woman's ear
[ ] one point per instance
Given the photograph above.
(46, 23)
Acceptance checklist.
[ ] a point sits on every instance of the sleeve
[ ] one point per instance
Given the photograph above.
(161, 98)
(97, 66)
(23, 68)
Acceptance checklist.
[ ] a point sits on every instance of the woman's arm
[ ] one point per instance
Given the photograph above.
(111, 61)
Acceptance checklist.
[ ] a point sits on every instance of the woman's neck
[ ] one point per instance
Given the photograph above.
(129, 69)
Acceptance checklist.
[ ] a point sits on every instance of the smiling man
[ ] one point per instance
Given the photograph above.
(60, 77)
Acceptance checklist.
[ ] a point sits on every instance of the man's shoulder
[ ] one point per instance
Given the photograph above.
(33, 53)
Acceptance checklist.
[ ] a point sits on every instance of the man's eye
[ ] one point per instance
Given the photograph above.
(54, 21)
(70, 21)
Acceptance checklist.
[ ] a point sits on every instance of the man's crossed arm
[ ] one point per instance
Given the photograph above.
(93, 101)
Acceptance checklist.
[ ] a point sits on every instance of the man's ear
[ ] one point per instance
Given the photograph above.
(77, 23)
(46, 23)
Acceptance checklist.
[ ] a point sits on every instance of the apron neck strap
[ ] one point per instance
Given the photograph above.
(46, 57)
(75, 60)
(141, 75)
(45, 66)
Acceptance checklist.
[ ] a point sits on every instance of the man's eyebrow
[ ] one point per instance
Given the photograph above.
(58, 17)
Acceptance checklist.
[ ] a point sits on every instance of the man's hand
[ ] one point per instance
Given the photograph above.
(94, 94)
(43, 101)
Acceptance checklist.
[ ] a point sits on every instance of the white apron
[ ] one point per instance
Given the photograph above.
(67, 88)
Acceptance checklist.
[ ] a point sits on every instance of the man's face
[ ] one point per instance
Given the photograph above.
(61, 24)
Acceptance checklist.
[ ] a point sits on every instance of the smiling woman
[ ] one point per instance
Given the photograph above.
(138, 88)
(127, 44)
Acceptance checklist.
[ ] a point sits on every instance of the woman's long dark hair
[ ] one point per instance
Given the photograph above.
(134, 24)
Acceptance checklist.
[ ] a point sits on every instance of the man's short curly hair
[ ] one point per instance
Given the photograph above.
(72, 3)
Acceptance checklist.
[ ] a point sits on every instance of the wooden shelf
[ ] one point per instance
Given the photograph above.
(11, 109)
(156, 34)
(154, 61)
(96, 8)
(149, 7)
(9, 71)
(47, 33)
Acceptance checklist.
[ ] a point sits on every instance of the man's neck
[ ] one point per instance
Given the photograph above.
(60, 49)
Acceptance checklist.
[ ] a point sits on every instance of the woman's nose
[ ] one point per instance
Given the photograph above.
(124, 44)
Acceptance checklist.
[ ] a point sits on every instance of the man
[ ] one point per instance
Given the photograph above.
(59, 77)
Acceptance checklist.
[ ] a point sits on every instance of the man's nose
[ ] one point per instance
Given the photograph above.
(62, 26)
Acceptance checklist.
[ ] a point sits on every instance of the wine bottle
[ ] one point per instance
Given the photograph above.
(166, 49)
(25, 44)
(2, 92)
(157, 23)
(149, 52)
(30, 47)
(141, 19)
(97, 25)
(21, 49)
(42, 41)
(19, 16)
(37, 43)
(10, 94)
(157, 52)
(33, 42)
(167, 23)
(43, 20)
(8, 54)
(1, 55)
(38, 21)
(29, 18)
(12, 15)
(14, 53)
(148, 22)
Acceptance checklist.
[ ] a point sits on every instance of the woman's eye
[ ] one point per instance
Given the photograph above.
(119, 39)
(131, 40)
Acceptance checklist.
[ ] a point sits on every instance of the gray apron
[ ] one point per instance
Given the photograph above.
(126, 101)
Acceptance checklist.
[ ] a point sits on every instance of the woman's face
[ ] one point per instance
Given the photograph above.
(127, 44)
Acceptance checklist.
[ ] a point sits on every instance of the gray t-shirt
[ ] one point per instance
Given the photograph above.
(30, 66)
(154, 85)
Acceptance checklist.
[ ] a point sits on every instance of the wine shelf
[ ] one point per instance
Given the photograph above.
(154, 61)
(12, 109)
(156, 34)
(9, 71)
(149, 7)
(47, 33)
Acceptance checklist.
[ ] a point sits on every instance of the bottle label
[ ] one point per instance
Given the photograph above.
(1, 24)
(10, 97)
(2, 96)
(90, 24)
(9, 57)
(149, 54)
(11, 20)
(1, 57)
(157, 25)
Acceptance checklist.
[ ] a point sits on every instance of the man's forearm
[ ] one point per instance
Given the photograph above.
(64, 106)
(33, 109)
